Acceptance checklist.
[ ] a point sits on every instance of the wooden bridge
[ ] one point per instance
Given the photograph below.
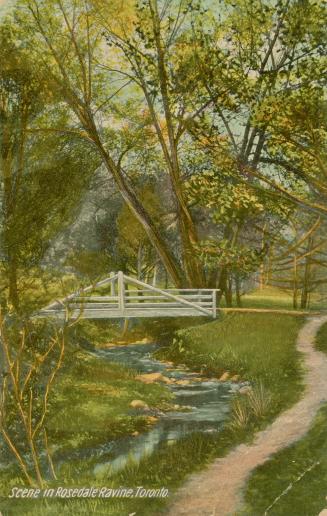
(128, 297)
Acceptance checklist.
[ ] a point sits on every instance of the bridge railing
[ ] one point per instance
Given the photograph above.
(131, 296)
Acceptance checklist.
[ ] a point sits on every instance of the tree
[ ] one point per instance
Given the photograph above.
(177, 81)
(257, 67)
(262, 67)
(137, 253)
(149, 60)
(32, 361)
(41, 187)
(19, 100)
(298, 260)
(64, 39)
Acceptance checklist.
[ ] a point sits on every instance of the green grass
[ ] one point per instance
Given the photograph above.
(275, 298)
(90, 405)
(167, 467)
(93, 396)
(288, 472)
(269, 297)
(321, 340)
(306, 496)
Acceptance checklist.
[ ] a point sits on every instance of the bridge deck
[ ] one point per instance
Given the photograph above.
(128, 313)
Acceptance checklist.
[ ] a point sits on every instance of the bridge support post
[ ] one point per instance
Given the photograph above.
(121, 292)
(214, 304)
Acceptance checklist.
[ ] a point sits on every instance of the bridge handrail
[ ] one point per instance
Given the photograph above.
(86, 289)
(166, 294)
(202, 300)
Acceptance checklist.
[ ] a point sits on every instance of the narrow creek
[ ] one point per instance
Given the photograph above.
(207, 400)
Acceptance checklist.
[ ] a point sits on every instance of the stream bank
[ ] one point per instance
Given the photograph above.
(201, 404)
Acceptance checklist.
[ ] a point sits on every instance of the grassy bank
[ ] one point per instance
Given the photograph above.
(294, 481)
(101, 333)
(258, 347)
(88, 407)
(93, 397)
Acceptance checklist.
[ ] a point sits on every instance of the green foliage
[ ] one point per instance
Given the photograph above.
(224, 112)
(49, 196)
(90, 264)
(253, 406)
(227, 200)
(135, 250)
(239, 258)
(40, 167)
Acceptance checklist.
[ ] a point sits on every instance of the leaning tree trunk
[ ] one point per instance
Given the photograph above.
(154, 235)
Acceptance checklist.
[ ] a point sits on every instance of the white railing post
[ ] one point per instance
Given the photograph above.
(112, 285)
(214, 304)
(121, 292)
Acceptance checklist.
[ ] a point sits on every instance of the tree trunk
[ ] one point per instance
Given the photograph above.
(262, 277)
(225, 287)
(229, 292)
(193, 268)
(212, 278)
(238, 291)
(139, 263)
(154, 279)
(12, 280)
(154, 235)
(307, 276)
(295, 283)
(221, 284)
(188, 232)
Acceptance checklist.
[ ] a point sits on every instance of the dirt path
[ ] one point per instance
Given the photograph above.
(217, 491)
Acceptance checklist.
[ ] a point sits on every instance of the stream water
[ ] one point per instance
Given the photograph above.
(207, 401)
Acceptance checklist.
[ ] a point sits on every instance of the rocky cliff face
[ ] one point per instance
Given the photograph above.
(93, 226)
